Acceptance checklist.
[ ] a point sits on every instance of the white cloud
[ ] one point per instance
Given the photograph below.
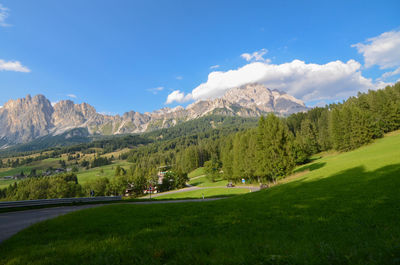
(309, 82)
(3, 16)
(383, 50)
(71, 96)
(155, 90)
(390, 74)
(215, 66)
(177, 96)
(15, 66)
(256, 56)
(179, 77)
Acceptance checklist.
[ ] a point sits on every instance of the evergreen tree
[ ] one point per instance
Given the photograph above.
(275, 149)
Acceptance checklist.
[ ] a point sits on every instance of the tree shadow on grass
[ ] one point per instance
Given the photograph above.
(196, 183)
(310, 167)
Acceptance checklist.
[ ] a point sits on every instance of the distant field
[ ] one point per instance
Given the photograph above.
(340, 209)
(211, 192)
(206, 182)
(83, 175)
(108, 171)
(38, 165)
(197, 172)
(6, 183)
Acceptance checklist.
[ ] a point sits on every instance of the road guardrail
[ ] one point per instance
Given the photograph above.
(12, 204)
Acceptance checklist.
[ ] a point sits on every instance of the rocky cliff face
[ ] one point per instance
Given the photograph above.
(26, 119)
(258, 97)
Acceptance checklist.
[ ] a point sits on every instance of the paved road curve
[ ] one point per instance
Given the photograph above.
(13, 222)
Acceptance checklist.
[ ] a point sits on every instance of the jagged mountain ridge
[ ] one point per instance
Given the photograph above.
(29, 118)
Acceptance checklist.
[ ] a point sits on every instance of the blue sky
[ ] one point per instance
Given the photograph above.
(130, 55)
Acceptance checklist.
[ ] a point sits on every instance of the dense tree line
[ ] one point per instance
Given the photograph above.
(99, 161)
(60, 186)
(263, 154)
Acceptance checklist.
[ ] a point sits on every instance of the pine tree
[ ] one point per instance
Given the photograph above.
(275, 149)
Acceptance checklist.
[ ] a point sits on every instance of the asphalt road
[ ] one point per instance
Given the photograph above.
(13, 222)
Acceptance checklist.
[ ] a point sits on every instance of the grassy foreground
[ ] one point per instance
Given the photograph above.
(344, 211)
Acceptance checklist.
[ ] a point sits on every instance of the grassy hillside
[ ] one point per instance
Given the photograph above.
(83, 175)
(345, 210)
(103, 171)
(207, 192)
(38, 165)
(197, 172)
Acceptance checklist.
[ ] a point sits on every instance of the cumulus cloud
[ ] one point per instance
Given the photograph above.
(71, 96)
(3, 16)
(255, 56)
(215, 66)
(383, 50)
(178, 96)
(155, 90)
(15, 66)
(179, 77)
(309, 82)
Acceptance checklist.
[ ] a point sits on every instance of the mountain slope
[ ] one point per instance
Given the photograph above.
(26, 119)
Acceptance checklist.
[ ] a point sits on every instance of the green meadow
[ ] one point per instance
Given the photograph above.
(207, 192)
(204, 181)
(38, 165)
(340, 209)
(197, 172)
(83, 175)
(103, 171)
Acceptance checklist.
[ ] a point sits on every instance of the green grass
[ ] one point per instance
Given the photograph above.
(13, 171)
(83, 175)
(197, 172)
(38, 165)
(4, 183)
(197, 194)
(108, 172)
(345, 210)
(206, 182)
(203, 181)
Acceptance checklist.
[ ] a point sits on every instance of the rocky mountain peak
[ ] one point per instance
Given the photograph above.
(27, 118)
(258, 96)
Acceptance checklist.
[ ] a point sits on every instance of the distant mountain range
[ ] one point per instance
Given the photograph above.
(26, 119)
